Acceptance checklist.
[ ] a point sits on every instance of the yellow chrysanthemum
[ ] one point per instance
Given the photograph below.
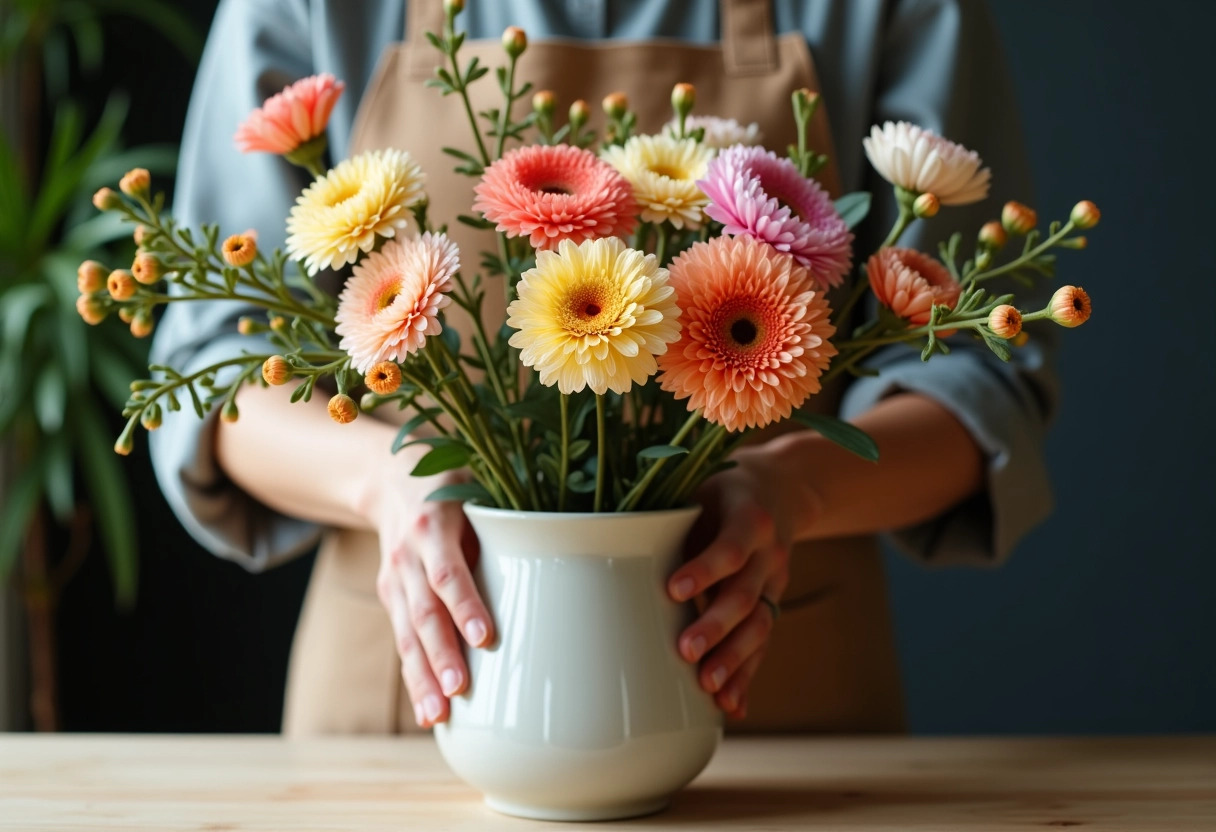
(664, 172)
(594, 315)
(344, 211)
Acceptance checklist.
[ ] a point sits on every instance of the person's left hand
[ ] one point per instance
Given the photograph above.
(750, 530)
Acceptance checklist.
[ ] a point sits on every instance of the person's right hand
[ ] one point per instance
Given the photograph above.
(426, 585)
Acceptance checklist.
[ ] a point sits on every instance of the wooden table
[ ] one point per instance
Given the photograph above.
(920, 785)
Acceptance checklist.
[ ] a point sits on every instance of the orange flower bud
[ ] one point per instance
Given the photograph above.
(106, 200)
(151, 418)
(147, 268)
(615, 104)
(142, 323)
(514, 41)
(926, 206)
(383, 378)
(453, 7)
(135, 182)
(1085, 214)
(1017, 218)
(239, 250)
(142, 235)
(579, 113)
(276, 370)
(249, 326)
(993, 236)
(126, 314)
(342, 409)
(1005, 321)
(1021, 339)
(124, 444)
(121, 284)
(229, 412)
(683, 98)
(91, 277)
(1070, 306)
(278, 323)
(92, 309)
(544, 102)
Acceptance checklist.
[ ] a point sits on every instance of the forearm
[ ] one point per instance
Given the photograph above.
(322, 474)
(928, 463)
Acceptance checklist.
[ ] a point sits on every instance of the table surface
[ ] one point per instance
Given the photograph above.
(71, 782)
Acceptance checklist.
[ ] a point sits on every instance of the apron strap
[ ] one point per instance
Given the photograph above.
(748, 44)
(422, 16)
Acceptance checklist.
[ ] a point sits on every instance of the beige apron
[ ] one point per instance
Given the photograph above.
(831, 663)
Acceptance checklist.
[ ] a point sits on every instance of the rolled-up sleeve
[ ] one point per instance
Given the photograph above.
(942, 69)
(256, 47)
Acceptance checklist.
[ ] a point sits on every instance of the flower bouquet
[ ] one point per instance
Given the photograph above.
(667, 299)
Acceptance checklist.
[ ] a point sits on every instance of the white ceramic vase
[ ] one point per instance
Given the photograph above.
(582, 709)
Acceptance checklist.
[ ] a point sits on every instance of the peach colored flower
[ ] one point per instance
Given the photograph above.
(392, 300)
(1005, 321)
(755, 336)
(920, 161)
(291, 118)
(384, 378)
(1070, 306)
(910, 283)
(240, 249)
(342, 409)
(554, 193)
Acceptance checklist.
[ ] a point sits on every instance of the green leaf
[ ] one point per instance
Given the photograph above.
(580, 483)
(544, 413)
(997, 344)
(853, 208)
(416, 421)
(473, 492)
(60, 487)
(442, 458)
(849, 437)
(661, 452)
(579, 447)
(110, 495)
(19, 505)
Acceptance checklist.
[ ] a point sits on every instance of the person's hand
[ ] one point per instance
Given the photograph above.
(748, 529)
(426, 585)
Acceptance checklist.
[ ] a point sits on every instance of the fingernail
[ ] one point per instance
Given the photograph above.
(729, 701)
(718, 678)
(431, 706)
(683, 589)
(695, 648)
(449, 680)
(418, 716)
(475, 632)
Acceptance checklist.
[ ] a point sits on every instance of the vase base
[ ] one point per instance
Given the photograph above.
(618, 811)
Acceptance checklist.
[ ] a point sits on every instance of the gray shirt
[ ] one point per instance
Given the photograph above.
(933, 62)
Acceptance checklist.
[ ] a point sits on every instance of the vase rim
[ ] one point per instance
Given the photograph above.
(492, 511)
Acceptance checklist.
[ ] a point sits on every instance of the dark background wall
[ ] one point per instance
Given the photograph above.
(1103, 621)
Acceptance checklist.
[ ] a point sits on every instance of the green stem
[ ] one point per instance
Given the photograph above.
(601, 466)
(905, 218)
(458, 81)
(504, 117)
(660, 246)
(691, 478)
(564, 469)
(270, 306)
(1026, 256)
(639, 490)
(855, 296)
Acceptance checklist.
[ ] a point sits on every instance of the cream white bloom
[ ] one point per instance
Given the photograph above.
(720, 133)
(664, 172)
(921, 161)
(343, 212)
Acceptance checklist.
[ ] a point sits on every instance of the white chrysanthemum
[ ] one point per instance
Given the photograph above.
(343, 212)
(664, 172)
(720, 133)
(594, 314)
(921, 161)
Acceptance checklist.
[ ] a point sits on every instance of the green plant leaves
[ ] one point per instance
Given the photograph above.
(853, 208)
(849, 437)
(445, 455)
(473, 492)
(661, 451)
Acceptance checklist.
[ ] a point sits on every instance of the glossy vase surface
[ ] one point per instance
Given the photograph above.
(582, 709)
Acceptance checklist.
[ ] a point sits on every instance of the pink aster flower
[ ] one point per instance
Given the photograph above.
(751, 191)
(392, 300)
(910, 283)
(554, 193)
(755, 334)
(291, 118)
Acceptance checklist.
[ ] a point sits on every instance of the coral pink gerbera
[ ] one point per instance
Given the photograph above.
(554, 193)
(755, 336)
(910, 283)
(291, 118)
(392, 300)
(751, 191)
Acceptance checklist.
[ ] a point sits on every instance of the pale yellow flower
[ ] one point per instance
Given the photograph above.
(343, 212)
(664, 172)
(594, 314)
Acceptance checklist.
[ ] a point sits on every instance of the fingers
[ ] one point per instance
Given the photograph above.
(447, 572)
(734, 603)
(433, 625)
(732, 698)
(420, 682)
(745, 532)
(744, 642)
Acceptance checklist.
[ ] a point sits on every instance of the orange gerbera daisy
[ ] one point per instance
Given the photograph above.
(554, 193)
(755, 333)
(910, 283)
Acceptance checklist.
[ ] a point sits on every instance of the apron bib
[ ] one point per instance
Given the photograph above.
(831, 663)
